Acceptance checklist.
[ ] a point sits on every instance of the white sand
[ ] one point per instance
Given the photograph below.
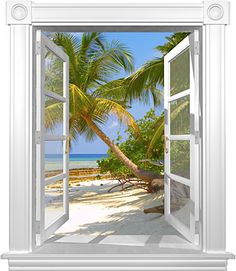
(94, 211)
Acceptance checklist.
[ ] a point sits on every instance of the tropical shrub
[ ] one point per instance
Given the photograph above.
(135, 148)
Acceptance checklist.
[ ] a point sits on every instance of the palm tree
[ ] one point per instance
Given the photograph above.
(145, 83)
(151, 74)
(150, 77)
(93, 63)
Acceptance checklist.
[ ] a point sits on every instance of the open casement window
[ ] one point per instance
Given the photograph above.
(52, 136)
(184, 148)
(182, 137)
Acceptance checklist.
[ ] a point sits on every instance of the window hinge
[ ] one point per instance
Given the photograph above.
(197, 137)
(38, 48)
(196, 48)
(37, 137)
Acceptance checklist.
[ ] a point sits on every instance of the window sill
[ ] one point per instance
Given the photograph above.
(188, 261)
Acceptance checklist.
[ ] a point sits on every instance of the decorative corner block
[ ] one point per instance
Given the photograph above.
(18, 12)
(216, 12)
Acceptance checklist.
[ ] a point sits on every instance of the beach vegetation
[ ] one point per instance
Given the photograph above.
(95, 96)
(93, 63)
(136, 148)
(151, 76)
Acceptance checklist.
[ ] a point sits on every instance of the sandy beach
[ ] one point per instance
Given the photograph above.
(95, 211)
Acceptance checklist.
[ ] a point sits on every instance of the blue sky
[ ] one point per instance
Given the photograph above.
(142, 45)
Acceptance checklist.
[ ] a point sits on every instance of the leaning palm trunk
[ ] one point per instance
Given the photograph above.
(152, 179)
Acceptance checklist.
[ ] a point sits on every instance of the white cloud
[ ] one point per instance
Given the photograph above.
(113, 124)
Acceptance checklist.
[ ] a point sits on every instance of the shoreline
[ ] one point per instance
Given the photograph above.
(77, 176)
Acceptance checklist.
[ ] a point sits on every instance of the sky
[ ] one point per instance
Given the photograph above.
(142, 45)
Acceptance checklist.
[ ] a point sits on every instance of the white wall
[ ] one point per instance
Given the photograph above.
(230, 131)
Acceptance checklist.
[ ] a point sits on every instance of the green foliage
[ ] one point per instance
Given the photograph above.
(172, 41)
(135, 148)
(94, 97)
(180, 158)
(180, 122)
(93, 61)
(143, 84)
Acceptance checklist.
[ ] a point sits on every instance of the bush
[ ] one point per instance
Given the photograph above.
(135, 149)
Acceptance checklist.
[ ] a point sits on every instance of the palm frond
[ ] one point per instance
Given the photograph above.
(115, 90)
(91, 43)
(172, 41)
(157, 135)
(120, 55)
(78, 126)
(147, 77)
(79, 101)
(161, 122)
(53, 113)
(70, 45)
(106, 107)
(104, 64)
(151, 74)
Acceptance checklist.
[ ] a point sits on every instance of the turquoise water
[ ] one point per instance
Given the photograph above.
(55, 161)
(87, 157)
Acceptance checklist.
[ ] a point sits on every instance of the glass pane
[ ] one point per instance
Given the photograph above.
(180, 204)
(180, 158)
(180, 116)
(53, 116)
(53, 202)
(179, 73)
(53, 158)
(53, 73)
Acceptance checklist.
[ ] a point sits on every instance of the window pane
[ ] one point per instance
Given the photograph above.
(180, 158)
(53, 202)
(53, 116)
(180, 116)
(53, 158)
(179, 73)
(180, 204)
(53, 73)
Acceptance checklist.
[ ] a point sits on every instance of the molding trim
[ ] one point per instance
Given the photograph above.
(19, 12)
(216, 265)
(214, 209)
(21, 139)
(216, 12)
(115, 13)
(160, 262)
(118, 262)
(207, 12)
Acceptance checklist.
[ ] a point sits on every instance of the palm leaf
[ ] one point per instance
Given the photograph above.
(70, 44)
(151, 74)
(104, 64)
(147, 77)
(93, 62)
(160, 125)
(173, 40)
(78, 126)
(105, 107)
(115, 90)
(79, 101)
(53, 114)
(157, 135)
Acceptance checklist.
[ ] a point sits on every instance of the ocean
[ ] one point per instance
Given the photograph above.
(55, 162)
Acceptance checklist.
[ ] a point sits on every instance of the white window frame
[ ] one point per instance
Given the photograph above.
(43, 43)
(192, 137)
(211, 16)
